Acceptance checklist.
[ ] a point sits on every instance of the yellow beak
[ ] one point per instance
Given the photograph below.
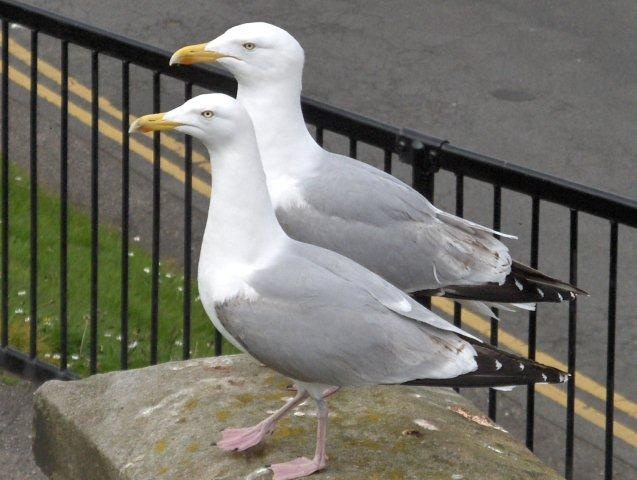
(195, 54)
(153, 123)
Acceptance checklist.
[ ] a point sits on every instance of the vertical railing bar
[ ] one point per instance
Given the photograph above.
(319, 135)
(34, 197)
(188, 237)
(530, 394)
(94, 207)
(218, 343)
(387, 161)
(493, 339)
(124, 296)
(64, 125)
(457, 308)
(431, 187)
(4, 152)
(154, 308)
(572, 339)
(610, 351)
(422, 179)
(353, 150)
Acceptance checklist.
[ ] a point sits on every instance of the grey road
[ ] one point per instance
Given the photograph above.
(551, 86)
(16, 399)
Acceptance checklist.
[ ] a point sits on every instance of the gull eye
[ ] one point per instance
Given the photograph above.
(207, 114)
(249, 46)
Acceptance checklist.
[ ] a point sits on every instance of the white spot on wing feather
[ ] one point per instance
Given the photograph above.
(402, 306)
(498, 365)
(505, 388)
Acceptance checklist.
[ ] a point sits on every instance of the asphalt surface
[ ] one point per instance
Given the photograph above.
(16, 400)
(551, 86)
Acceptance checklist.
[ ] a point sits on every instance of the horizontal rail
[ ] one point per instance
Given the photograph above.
(481, 167)
(19, 363)
(554, 189)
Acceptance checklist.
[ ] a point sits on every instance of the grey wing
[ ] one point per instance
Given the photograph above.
(380, 222)
(314, 325)
(380, 289)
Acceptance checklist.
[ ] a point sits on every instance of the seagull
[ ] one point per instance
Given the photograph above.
(350, 207)
(307, 312)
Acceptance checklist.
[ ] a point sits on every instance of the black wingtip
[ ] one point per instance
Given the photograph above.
(497, 368)
(523, 285)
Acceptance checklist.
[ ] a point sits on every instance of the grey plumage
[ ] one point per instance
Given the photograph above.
(307, 312)
(380, 222)
(320, 318)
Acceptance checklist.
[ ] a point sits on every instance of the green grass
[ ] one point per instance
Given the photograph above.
(10, 380)
(79, 250)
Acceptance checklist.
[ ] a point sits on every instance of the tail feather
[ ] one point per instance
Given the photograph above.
(497, 368)
(523, 285)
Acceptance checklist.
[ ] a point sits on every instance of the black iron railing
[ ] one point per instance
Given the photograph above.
(427, 156)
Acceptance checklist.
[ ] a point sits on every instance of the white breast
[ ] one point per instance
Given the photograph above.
(226, 282)
(285, 192)
(219, 285)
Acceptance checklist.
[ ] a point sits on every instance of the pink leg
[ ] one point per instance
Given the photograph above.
(240, 439)
(330, 391)
(303, 467)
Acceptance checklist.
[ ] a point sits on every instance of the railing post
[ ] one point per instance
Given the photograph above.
(94, 210)
(424, 160)
(187, 304)
(572, 349)
(425, 165)
(4, 154)
(610, 351)
(33, 192)
(124, 294)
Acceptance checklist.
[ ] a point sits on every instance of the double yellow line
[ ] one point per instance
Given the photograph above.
(582, 381)
(108, 130)
(471, 320)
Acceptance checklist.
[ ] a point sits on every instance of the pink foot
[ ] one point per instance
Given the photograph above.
(240, 439)
(298, 468)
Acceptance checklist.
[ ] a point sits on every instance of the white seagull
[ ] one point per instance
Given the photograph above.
(309, 313)
(355, 209)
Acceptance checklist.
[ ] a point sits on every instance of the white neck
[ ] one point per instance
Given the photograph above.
(242, 228)
(275, 110)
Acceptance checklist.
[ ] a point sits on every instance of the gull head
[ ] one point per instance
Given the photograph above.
(214, 118)
(251, 52)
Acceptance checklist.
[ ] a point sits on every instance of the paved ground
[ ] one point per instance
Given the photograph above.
(16, 461)
(546, 85)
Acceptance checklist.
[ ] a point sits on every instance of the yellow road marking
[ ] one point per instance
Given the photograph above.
(582, 381)
(475, 322)
(589, 413)
(108, 131)
(552, 392)
(52, 73)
